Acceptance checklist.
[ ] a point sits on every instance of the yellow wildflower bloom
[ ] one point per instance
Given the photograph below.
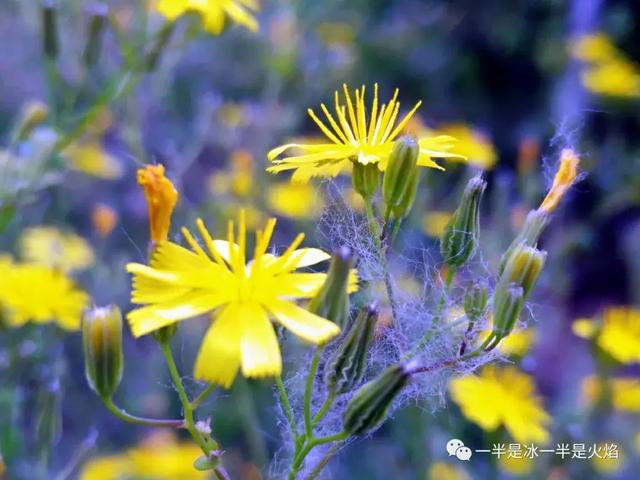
(90, 158)
(55, 248)
(161, 198)
(442, 470)
(354, 139)
(625, 392)
(517, 466)
(159, 457)
(295, 200)
(243, 296)
(434, 223)
(57, 297)
(615, 79)
(595, 47)
(471, 144)
(502, 396)
(212, 12)
(618, 334)
(564, 178)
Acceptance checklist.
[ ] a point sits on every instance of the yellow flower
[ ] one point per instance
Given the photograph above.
(618, 335)
(161, 198)
(40, 294)
(625, 392)
(471, 144)
(212, 12)
(615, 79)
(446, 471)
(596, 47)
(55, 248)
(564, 178)
(243, 296)
(517, 466)
(295, 200)
(89, 157)
(502, 396)
(354, 139)
(434, 223)
(160, 457)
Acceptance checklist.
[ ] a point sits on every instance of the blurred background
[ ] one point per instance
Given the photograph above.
(514, 81)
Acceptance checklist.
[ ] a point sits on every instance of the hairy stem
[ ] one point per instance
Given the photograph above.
(286, 406)
(308, 427)
(324, 408)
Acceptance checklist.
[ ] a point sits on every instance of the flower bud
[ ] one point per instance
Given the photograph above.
(402, 210)
(97, 23)
(164, 334)
(332, 300)
(32, 115)
(161, 197)
(369, 406)
(460, 238)
(401, 174)
(507, 305)
(533, 227)
(49, 29)
(102, 338)
(523, 268)
(475, 301)
(366, 179)
(346, 368)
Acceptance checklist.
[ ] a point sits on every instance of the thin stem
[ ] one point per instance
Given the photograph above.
(324, 408)
(324, 461)
(438, 314)
(286, 406)
(308, 427)
(143, 421)
(373, 224)
(202, 396)
(311, 443)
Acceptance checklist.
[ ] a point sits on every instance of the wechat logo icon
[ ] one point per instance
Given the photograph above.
(456, 448)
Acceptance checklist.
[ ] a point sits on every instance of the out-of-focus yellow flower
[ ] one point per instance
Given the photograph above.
(243, 296)
(609, 72)
(354, 138)
(625, 392)
(516, 344)
(231, 114)
(159, 457)
(336, 33)
(608, 464)
(565, 177)
(55, 248)
(618, 334)
(161, 198)
(502, 396)
(212, 12)
(39, 294)
(295, 200)
(89, 157)
(434, 223)
(446, 471)
(104, 219)
(238, 180)
(517, 466)
(472, 144)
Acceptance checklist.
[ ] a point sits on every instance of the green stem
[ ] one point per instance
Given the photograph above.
(143, 421)
(436, 319)
(195, 403)
(310, 444)
(308, 427)
(324, 408)
(286, 406)
(323, 461)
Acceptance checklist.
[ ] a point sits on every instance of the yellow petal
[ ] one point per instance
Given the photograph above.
(305, 257)
(152, 317)
(219, 357)
(303, 323)
(260, 352)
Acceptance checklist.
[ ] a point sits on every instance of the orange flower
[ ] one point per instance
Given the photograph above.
(161, 197)
(104, 219)
(565, 177)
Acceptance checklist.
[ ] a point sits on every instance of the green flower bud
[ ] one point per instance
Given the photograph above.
(400, 179)
(366, 179)
(523, 268)
(533, 227)
(369, 406)
(32, 115)
(332, 300)
(49, 29)
(507, 305)
(475, 301)
(346, 368)
(402, 210)
(460, 238)
(102, 339)
(97, 23)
